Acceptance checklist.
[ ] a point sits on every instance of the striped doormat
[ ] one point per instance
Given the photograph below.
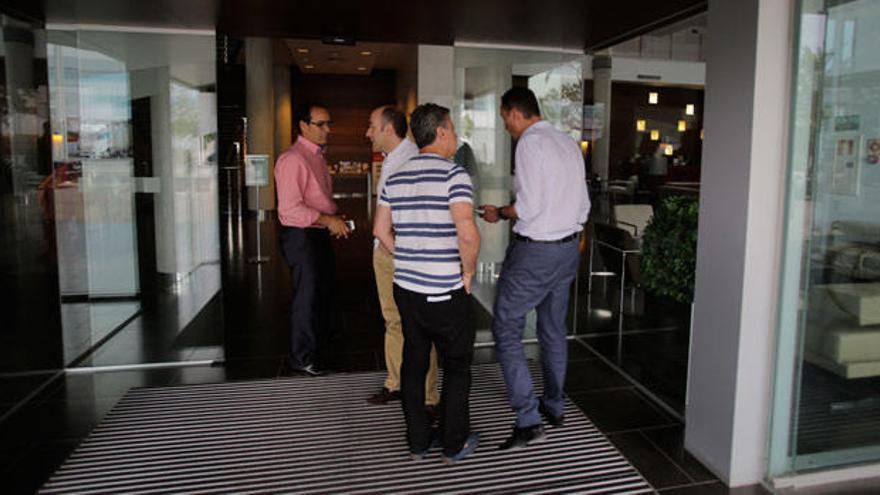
(318, 435)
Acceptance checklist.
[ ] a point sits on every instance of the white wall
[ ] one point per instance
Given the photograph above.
(186, 213)
(741, 210)
(668, 71)
(407, 81)
(436, 80)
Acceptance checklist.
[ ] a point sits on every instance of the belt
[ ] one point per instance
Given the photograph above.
(567, 238)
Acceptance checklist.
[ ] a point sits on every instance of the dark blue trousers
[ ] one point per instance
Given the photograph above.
(309, 254)
(534, 276)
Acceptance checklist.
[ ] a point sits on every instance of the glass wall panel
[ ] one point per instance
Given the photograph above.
(133, 118)
(827, 392)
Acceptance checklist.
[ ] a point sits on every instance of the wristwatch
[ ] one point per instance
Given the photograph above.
(501, 214)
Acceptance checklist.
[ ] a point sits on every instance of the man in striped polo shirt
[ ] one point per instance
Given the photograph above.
(424, 216)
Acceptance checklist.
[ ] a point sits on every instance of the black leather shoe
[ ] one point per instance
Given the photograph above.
(554, 421)
(310, 369)
(383, 397)
(524, 436)
(433, 413)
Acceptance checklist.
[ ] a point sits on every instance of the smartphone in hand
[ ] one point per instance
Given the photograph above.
(350, 224)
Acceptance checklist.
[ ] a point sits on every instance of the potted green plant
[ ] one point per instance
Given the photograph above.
(669, 249)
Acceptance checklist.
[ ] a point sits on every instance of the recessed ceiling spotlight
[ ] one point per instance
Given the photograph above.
(302, 50)
(362, 69)
(366, 53)
(308, 66)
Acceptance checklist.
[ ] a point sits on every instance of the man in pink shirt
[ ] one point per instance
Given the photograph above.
(308, 218)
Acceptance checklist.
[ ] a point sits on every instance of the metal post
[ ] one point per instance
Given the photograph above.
(259, 258)
(370, 193)
(590, 281)
(622, 281)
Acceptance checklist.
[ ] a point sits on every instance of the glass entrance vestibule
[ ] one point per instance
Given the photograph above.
(826, 406)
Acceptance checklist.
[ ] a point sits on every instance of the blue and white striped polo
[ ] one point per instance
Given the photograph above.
(426, 256)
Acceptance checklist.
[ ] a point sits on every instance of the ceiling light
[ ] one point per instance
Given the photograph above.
(308, 66)
(362, 69)
(682, 126)
(653, 98)
(641, 125)
(655, 135)
(689, 109)
(366, 53)
(302, 50)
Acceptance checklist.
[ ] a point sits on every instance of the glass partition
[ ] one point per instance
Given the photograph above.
(485, 147)
(30, 341)
(826, 409)
(134, 133)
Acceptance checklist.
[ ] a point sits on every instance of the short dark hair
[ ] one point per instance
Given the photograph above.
(522, 99)
(424, 123)
(303, 112)
(395, 116)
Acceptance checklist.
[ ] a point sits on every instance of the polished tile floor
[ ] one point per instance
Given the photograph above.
(244, 327)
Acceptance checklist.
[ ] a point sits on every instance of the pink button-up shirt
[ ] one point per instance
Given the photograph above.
(303, 184)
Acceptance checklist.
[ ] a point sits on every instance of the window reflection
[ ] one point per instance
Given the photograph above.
(135, 196)
(830, 317)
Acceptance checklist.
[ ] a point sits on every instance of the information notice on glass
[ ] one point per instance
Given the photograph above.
(256, 170)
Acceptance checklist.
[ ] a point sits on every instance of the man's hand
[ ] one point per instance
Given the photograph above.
(467, 278)
(336, 225)
(490, 213)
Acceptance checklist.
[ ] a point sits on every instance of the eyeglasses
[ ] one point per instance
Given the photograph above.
(322, 123)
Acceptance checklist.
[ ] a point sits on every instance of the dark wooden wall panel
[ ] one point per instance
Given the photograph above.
(350, 99)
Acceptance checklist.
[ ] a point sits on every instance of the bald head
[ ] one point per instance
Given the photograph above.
(386, 128)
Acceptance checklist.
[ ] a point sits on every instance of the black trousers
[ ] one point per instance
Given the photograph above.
(447, 324)
(309, 254)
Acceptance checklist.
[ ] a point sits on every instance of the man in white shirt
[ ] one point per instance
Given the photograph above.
(550, 209)
(387, 131)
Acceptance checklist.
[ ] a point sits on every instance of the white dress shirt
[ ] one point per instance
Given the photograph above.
(401, 154)
(550, 184)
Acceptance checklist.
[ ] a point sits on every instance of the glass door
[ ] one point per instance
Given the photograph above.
(93, 192)
(134, 134)
(827, 391)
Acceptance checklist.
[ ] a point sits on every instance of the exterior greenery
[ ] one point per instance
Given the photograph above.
(669, 249)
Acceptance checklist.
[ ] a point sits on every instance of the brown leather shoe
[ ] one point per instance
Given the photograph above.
(383, 397)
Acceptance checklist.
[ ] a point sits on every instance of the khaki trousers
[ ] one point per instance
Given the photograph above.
(383, 265)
